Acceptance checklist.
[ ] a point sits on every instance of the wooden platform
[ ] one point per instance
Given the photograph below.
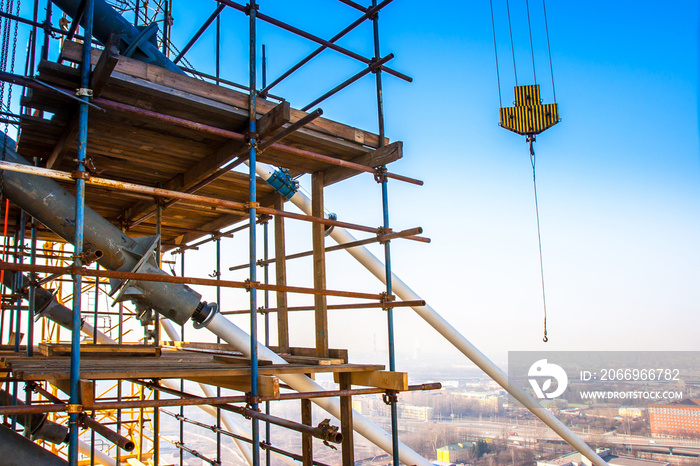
(143, 150)
(123, 362)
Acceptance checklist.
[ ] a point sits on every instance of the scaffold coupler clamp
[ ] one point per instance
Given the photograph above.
(264, 218)
(385, 299)
(390, 397)
(255, 7)
(74, 408)
(251, 401)
(382, 231)
(283, 183)
(249, 284)
(380, 174)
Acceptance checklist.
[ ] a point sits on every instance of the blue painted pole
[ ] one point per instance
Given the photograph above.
(19, 249)
(387, 245)
(79, 228)
(252, 10)
(266, 272)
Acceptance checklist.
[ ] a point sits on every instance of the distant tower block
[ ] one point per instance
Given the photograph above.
(529, 116)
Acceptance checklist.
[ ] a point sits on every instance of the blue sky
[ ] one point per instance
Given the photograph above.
(618, 178)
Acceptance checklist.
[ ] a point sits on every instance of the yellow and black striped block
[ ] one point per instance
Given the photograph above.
(529, 116)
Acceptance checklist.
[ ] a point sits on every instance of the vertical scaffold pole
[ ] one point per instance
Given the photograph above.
(266, 277)
(182, 381)
(252, 10)
(78, 244)
(156, 331)
(387, 248)
(32, 286)
(19, 251)
(217, 272)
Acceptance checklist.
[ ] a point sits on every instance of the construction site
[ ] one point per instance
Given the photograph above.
(118, 160)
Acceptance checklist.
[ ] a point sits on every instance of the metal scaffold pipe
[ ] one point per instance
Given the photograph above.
(403, 291)
(52, 205)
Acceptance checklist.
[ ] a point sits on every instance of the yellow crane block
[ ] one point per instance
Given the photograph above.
(529, 116)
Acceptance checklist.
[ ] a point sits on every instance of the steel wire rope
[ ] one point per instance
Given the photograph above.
(495, 52)
(532, 49)
(533, 160)
(512, 48)
(549, 51)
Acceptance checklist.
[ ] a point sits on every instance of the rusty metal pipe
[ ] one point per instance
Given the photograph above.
(336, 307)
(323, 431)
(164, 278)
(409, 234)
(119, 440)
(166, 193)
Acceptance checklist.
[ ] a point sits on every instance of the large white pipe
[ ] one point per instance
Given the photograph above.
(227, 331)
(99, 456)
(376, 267)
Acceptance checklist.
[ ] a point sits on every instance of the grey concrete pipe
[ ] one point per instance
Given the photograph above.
(136, 42)
(38, 424)
(16, 450)
(52, 205)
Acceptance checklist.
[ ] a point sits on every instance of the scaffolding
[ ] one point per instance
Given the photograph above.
(172, 159)
(168, 145)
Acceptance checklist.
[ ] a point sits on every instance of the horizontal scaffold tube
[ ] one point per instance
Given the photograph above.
(400, 289)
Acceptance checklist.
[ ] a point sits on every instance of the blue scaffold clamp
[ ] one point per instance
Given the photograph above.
(281, 182)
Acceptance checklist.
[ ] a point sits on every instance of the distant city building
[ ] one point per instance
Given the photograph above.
(630, 411)
(577, 459)
(357, 406)
(679, 419)
(457, 453)
(419, 413)
(489, 400)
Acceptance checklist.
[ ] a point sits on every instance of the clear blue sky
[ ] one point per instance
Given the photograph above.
(618, 178)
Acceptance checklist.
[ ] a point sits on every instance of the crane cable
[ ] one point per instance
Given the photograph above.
(530, 137)
(533, 159)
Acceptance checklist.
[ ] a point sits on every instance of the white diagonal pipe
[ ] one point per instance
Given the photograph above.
(230, 333)
(376, 267)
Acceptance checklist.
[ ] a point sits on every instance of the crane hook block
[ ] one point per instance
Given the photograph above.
(529, 116)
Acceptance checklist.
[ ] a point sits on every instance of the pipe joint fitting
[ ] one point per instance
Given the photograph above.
(204, 313)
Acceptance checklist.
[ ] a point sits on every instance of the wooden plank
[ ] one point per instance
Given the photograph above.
(70, 132)
(376, 158)
(346, 428)
(106, 350)
(273, 120)
(86, 388)
(267, 385)
(105, 65)
(307, 449)
(319, 266)
(397, 381)
(312, 361)
(281, 278)
(298, 351)
(72, 51)
(239, 360)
